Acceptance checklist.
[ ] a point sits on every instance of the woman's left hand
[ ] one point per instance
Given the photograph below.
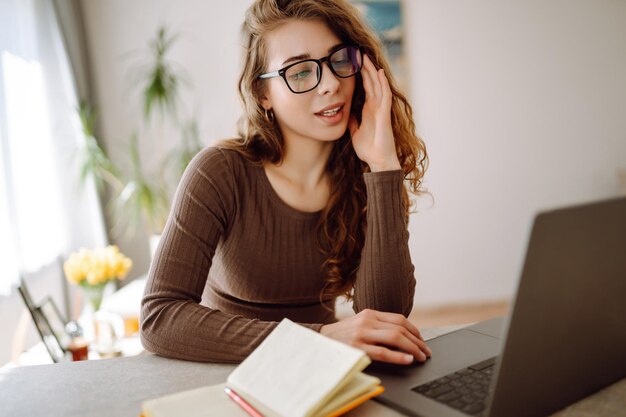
(373, 139)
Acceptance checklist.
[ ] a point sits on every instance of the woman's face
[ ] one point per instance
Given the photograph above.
(309, 115)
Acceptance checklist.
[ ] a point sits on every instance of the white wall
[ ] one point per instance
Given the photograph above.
(118, 33)
(522, 106)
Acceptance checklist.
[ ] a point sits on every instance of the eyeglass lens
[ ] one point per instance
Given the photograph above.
(305, 75)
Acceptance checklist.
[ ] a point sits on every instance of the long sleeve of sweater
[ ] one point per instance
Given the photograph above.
(173, 322)
(385, 278)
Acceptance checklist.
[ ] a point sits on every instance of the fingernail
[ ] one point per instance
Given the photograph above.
(430, 352)
(422, 356)
(408, 358)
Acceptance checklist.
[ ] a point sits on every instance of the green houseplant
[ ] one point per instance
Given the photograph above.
(161, 84)
(93, 160)
(141, 198)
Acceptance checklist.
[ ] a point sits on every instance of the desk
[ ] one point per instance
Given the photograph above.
(116, 387)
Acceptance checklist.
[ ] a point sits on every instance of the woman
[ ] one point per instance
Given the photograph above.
(307, 205)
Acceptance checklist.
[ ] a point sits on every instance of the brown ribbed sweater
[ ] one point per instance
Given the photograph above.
(235, 259)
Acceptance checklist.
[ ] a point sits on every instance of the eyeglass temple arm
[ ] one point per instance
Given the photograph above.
(270, 75)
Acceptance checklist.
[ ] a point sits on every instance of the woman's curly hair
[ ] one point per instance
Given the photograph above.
(342, 224)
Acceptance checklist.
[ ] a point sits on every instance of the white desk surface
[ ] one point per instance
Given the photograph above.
(116, 387)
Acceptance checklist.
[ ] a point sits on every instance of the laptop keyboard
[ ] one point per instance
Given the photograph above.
(465, 390)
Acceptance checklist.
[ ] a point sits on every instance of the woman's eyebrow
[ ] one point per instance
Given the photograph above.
(296, 58)
(307, 55)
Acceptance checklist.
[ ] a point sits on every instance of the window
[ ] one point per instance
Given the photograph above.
(39, 131)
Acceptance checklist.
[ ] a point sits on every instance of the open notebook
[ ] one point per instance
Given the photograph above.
(294, 372)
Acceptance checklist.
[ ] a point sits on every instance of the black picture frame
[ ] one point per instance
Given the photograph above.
(55, 321)
(49, 324)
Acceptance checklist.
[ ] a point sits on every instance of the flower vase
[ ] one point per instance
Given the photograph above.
(92, 301)
(102, 328)
(93, 295)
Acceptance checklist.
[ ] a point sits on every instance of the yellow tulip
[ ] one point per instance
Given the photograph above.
(95, 267)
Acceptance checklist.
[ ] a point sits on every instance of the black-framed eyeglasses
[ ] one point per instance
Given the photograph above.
(305, 75)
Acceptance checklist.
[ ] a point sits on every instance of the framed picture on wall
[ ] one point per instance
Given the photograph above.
(385, 17)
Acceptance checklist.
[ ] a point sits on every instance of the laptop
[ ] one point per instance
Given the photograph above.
(565, 338)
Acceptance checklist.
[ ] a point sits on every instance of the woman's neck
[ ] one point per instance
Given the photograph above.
(304, 162)
(300, 180)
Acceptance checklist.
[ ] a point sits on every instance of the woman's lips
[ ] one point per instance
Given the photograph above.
(331, 116)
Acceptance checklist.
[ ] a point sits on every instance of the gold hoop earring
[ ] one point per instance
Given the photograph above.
(269, 115)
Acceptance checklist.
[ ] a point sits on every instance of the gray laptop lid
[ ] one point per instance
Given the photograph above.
(567, 334)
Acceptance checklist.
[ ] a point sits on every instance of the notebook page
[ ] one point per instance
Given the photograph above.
(342, 387)
(358, 386)
(294, 368)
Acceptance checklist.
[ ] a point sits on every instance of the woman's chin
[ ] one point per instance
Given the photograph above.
(329, 138)
(331, 135)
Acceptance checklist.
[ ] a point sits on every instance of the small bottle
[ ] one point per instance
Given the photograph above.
(78, 346)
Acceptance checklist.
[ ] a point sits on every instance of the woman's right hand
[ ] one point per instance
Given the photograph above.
(378, 334)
